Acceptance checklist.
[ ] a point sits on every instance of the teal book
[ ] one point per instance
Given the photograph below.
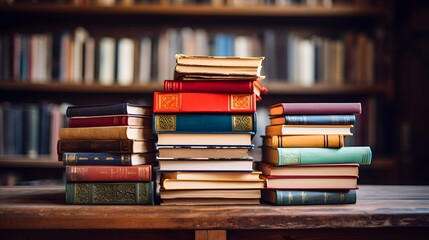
(104, 193)
(314, 119)
(308, 197)
(207, 123)
(291, 156)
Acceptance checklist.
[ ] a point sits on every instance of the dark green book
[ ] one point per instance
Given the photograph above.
(308, 197)
(138, 193)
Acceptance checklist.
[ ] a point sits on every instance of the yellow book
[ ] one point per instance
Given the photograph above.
(322, 141)
(106, 133)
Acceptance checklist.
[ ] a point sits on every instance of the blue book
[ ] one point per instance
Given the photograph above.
(115, 159)
(204, 123)
(314, 119)
(308, 197)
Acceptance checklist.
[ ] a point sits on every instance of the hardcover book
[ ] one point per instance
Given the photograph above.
(218, 175)
(202, 152)
(211, 193)
(192, 102)
(350, 169)
(140, 173)
(107, 146)
(273, 130)
(116, 120)
(237, 165)
(108, 109)
(210, 122)
(308, 197)
(108, 133)
(314, 119)
(88, 193)
(314, 108)
(291, 156)
(321, 141)
(210, 201)
(205, 139)
(174, 184)
(310, 182)
(114, 159)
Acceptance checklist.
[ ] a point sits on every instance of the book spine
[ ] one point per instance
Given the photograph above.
(97, 122)
(208, 86)
(286, 198)
(319, 108)
(218, 123)
(315, 141)
(320, 119)
(116, 109)
(359, 154)
(138, 193)
(113, 146)
(204, 102)
(88, 158)
(141, 173)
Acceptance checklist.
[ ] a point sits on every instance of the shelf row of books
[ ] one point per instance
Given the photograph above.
(81, 57)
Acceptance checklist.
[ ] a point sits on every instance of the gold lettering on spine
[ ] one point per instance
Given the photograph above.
(241, 123)
(169, 101)
(240, 102)
(126, 159)
(288, 156)
(303, 197)
(165, 123)
(70, 158)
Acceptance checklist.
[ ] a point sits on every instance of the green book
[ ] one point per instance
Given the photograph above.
(139, 193)
(292, 156)
(308, 197)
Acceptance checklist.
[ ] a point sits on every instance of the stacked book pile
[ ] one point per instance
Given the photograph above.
(205, 120)
(109, 154)
(304, 160)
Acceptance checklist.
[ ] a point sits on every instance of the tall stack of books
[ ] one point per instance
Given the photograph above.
(109, 154)
(304, 159)
(205, 121)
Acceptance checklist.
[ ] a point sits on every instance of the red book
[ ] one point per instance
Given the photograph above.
(138, 173)
(165, 102)
(232, 86)
(119, 120)
(315, 108)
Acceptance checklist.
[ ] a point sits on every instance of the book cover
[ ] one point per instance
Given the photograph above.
(113, 159)
(321, 141)
(311, 182)
(205, 139)
(140, 173)
(136, 193)
(290, 156)
(182, 102)
(314, 119)
(210, 122)
(174, 184)
(107, 146)
(107, 133)
(285, 129)
(314, 108)
(111, 120)
(350, 169)
(237, 165)
(308, 197)
(108, 109)
(202, 152)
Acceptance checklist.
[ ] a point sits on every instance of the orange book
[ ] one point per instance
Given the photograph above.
(204, 102)
(322, 141)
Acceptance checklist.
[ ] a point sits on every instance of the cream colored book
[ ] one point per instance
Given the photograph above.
(218, 176)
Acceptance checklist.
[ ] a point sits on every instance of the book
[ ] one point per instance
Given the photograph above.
(106, 61)
(172, 164)
(349, 119)
(308, 197)
(88, 193)
(205, 139)
(107, 146)
(291, 156)
(350, 169)
(107, 133)
(113, 159)
(211, 201)
(314, 108)
(108, 109)
(219, 175)
(211, 193)
(174, 184)
(202, 152)
(310, 182)
(286, 129)
(140, 173)
(322, 141)
(223, 61)
(204, 123)
(125, 66)
(182, 102)
(110, 120)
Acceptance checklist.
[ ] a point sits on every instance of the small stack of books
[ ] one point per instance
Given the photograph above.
(304, 160)
(109, 154)
(205, 121)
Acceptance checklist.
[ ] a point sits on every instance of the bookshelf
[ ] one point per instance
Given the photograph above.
(158, 19)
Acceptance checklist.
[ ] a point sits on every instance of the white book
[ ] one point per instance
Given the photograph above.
(187, 36)
(80, 35)
(306, 62)
(242, 46)
(202, 42)
(89, 67)
(145, 60)
(107, 61)
(126, 48)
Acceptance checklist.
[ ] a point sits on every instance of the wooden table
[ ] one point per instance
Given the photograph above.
(381, 212)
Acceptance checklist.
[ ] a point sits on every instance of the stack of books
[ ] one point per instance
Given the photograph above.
(304, 159)
(205, 121)
(109, 154)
